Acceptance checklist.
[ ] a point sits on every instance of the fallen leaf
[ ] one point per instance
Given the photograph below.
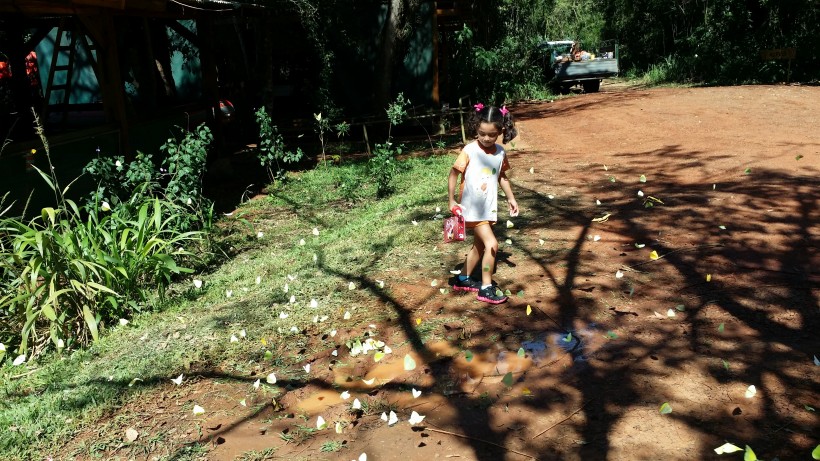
(748, 171)
(721, 328)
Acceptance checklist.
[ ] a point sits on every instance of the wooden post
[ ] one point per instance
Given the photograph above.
(461, 116)
(366, 140)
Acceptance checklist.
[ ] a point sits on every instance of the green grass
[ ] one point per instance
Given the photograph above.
(190, 332)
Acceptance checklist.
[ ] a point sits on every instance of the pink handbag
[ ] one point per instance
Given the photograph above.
(454, 227)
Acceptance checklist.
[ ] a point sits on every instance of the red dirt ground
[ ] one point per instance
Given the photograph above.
(744, 295)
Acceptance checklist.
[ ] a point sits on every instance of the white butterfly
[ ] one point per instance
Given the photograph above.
(369, 382)
(177, 380)
(256, 384)
(197, 283)
(345, 395)
(356, 404)
(307, 368)
(393, 419)
(315, 231)
(751, 391)
(271, 379)
(19, 360)
(301, 241)
(283, 315)
(619, 275)
(320, 423)
(416, 393)
(314, 304)
(347, 315)
(198, 410)
(415, 418)
(234, 339)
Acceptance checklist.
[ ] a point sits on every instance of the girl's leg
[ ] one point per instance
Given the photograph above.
(473, 257)
(484, 234)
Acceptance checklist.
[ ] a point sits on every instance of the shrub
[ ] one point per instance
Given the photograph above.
(271, 150)
(70, 270)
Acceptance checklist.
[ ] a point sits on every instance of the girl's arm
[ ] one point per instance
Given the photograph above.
(452, 181)
(505, 186)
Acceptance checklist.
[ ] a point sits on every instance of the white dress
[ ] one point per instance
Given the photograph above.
(479, 183)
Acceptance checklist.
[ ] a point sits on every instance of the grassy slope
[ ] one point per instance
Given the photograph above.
(191, 331)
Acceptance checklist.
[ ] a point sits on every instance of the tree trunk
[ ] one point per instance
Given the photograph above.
(394, 36)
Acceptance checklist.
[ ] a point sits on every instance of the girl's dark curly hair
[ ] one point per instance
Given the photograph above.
(502, 121)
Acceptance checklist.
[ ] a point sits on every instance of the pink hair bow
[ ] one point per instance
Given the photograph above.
(478, 107)
(504, 111)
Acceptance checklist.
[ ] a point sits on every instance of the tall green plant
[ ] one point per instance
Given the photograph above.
(271, 150)
(383, 166)
(185, 160)
(72, 269)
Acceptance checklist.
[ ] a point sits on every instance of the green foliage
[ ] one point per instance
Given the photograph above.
(185, 161)
(271, 150)
(70, 270)
(383, 167)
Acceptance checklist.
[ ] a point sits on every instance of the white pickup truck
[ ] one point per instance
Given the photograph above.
(566, 64)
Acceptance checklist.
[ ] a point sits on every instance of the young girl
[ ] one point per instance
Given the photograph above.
(482, 165)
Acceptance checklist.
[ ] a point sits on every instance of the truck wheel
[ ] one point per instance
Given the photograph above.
(591, 86)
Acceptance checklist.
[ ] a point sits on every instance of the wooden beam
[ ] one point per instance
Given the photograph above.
(102, 30)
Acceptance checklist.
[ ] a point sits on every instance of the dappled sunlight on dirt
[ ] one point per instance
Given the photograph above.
(730, 301)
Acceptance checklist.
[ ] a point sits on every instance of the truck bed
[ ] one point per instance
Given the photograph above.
(579, 70)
